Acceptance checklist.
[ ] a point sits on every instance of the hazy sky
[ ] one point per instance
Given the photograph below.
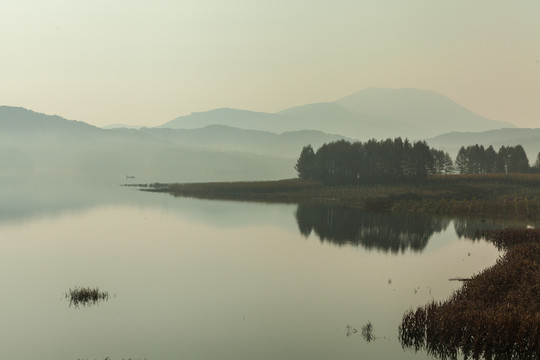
(147, 62)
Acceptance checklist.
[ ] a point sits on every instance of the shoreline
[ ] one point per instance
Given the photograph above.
(486, 196)
(496, 313)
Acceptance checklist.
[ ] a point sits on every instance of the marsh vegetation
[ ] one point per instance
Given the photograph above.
(367, 332)
(85, 296)
(495, 315)
(482, 195)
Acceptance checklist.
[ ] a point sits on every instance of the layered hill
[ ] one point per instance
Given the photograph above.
(370, 113)
(528, 138)
(429, 112)
(33, 143)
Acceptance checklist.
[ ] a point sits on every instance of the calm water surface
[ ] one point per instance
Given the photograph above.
(194, 279)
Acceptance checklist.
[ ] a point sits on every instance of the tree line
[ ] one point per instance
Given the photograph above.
(391, 160)
(476, 159)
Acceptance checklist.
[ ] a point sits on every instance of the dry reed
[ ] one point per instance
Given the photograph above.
(495, 315)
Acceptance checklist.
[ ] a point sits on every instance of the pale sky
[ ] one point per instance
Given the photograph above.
(142, 62)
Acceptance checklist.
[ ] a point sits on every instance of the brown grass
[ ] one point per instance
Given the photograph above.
(494, 315)
(485, 195)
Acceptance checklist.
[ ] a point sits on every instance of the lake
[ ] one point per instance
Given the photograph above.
(199, 279)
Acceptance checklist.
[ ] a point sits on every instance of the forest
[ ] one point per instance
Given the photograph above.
(395, 160)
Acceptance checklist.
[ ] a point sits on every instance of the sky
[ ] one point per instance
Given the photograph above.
(142, 62)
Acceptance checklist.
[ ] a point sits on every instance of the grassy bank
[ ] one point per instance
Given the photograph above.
(493, 195)
(496, 314)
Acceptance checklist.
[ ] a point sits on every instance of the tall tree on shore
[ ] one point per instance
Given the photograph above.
(438, 161)
(462, 161)
(448, 165)
(490, 160)
(536, 167)
(518, 161)
(305, 165)
(501, 164)
(422, 160)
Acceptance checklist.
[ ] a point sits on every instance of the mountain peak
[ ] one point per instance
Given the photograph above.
(426, 109)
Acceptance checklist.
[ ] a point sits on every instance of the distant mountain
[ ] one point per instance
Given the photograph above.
(17, 119)
(229, 144)
(428, 111)
(234, 118)
(451, 142)
(226, 138)
(370, 113)
(39, 144)
(335, 118)
(121, 126)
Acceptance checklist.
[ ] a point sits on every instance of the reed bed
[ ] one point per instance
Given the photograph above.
(495, 315)
(489, 195)
(85, 296)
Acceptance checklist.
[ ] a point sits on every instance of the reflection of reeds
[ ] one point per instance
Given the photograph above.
(349, 330)
(85, 296)
(494, 315)
(367, 332)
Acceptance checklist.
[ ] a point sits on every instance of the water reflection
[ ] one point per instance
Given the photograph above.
(395, 233)
(240, 269)
(387, 232)
(468, 228)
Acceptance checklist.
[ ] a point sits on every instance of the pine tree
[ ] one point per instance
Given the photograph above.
(306, 166)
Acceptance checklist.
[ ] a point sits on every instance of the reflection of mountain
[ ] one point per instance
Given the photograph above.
(386, 232)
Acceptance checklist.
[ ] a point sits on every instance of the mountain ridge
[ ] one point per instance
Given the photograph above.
(39, 145)
(12, 117)
(529, 138)
(368, 113)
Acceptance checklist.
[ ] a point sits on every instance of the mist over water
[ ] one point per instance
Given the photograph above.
(215, 279)
(245, 91)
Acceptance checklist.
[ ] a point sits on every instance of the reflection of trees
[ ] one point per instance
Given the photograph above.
(387, 232)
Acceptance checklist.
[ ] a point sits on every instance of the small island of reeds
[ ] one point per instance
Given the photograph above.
(85, 296)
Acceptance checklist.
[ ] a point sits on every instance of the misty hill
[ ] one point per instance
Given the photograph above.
(33, 143)
(428, 111)
(332, 117)
(226, 138)
(529, 138)
(244, 119)
(370, 113)
(121, 126)
(323, 117)
(17, 119)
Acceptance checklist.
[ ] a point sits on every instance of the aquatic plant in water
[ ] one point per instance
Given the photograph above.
(350, 330)
(85, 296)
(367, 332)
